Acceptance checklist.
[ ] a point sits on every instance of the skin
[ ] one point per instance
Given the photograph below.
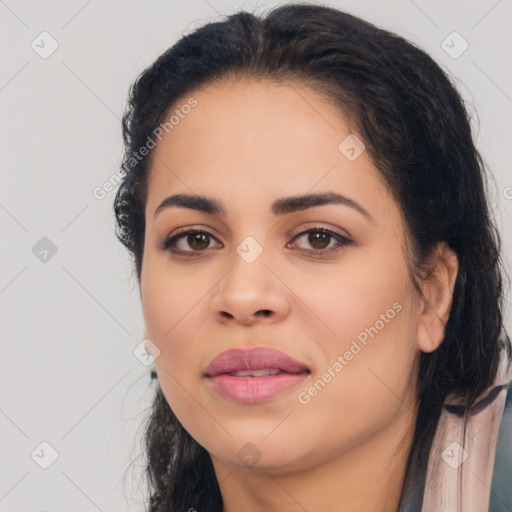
(347, 448)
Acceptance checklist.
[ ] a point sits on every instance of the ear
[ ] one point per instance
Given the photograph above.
(438, 298)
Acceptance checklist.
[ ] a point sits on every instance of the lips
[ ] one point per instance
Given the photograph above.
(253, 376)
(254, 362)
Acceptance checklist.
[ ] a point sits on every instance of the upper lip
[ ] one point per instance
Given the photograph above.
(253, 359)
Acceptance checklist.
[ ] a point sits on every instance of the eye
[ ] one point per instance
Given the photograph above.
(196, 239)
(320, 238)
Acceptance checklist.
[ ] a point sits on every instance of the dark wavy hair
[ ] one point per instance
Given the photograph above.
(417, 132)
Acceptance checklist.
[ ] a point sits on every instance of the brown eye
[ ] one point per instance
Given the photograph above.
(198, 241)
(320, 239)
(182, 242)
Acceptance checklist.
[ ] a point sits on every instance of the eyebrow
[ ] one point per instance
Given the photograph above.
(280, 206)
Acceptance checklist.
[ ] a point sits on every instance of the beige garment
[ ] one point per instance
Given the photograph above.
(449, 461)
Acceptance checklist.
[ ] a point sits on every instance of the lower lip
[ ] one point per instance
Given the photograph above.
(253, 390)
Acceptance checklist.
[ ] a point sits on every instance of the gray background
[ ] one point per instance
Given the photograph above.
(71, 320)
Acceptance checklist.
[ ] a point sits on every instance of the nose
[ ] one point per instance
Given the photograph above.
(249, 293)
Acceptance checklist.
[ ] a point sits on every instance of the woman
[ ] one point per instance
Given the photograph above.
(320, 274)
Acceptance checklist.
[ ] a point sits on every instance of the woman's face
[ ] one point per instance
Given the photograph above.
(263, 274)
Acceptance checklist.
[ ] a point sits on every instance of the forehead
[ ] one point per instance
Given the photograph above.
(248, 116)
(258, 138)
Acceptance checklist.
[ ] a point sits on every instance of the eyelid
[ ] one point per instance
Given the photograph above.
(321, 226)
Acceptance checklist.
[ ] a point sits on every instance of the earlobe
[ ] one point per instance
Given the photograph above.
(438, 290)
(430, 332)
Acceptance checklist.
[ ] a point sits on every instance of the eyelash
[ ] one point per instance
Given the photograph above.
(170, 242)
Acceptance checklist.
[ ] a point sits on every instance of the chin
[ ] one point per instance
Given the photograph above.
(263, 454)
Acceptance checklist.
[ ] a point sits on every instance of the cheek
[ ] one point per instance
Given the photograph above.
(364, 290)
(172, 312)
(167, 296)
(350, 402)
(370, 310)
(171, 320)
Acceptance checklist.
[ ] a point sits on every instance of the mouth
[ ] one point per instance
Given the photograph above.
(263, 372)
(251, 376)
